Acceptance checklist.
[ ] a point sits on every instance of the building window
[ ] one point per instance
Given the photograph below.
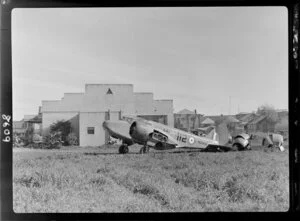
(91, 130)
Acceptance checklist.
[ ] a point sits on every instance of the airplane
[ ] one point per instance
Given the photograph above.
(158, 136)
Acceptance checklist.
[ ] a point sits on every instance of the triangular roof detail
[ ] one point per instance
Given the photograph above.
(207, 121)
(109, 91)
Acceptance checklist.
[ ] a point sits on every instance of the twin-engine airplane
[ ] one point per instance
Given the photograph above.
(158, 136)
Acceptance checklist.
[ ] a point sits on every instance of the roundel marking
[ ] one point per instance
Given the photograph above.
(191, 140)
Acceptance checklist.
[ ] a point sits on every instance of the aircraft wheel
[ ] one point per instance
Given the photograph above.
(219, 149)
(248, 147)
(123, 149)
(237, 147)
(263, 142)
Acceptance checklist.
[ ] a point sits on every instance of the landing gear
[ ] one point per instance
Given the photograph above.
(144, 149)
(123, 149)
(248, 147)
(237, 147)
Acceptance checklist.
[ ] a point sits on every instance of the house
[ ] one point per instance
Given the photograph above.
(260, 123)
(19, 128)
(246, 117)
(207, 122)
(233, 125)
(241, 114)
(282, 126)
(28, 122)
(35, 123)
(187, 120)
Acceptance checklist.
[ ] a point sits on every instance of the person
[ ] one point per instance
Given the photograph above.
(278, 141)
(273, 140)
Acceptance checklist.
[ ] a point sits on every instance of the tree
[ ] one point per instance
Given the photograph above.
(64, 127)
(269, 111)
(28, 136)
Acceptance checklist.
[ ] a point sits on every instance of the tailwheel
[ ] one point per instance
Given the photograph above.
(237, 147)
(219, 149)
(123, 149)
(248, 147)
(144, 149)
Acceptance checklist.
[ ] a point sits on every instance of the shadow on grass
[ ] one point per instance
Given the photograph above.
(137, 153)
(180, 151)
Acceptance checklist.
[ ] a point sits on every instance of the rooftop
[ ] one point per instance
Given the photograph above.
(207, 121)
(185, 111)
(257, 119)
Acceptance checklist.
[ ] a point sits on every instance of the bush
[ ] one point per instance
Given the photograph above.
(17, 140)
(53, 141)
(28, 136)
(72, 139)
(36, 138)
(64, 127)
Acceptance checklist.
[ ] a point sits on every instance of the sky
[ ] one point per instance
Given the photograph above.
(217, 60)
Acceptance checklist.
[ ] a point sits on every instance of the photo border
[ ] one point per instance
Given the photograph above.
(6, 107)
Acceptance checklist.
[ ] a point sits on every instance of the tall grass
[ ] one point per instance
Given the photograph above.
(155, 182)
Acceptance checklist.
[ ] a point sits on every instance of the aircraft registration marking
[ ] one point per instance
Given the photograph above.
(181, 138)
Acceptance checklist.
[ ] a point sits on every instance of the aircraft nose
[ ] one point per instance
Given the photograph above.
(132, 128)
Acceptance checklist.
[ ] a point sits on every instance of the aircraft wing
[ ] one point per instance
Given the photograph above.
(159, 135)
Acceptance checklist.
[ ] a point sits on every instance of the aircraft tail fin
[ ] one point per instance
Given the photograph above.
(212, 134)
(223, 133)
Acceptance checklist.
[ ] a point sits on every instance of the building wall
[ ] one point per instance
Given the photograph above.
(96, 105)
(18, 127)
(143, 103)
(265, 126)
(163, 119)
(96, 98)
(164, 107)
(75, 125)
(91, 119)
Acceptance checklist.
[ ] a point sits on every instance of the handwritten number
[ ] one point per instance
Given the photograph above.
(6, 132)
(6, 117)
(5, 124)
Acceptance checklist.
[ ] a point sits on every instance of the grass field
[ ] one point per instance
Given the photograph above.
(100, 180)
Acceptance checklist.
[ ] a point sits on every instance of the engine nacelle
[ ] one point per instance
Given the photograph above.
(139, 132)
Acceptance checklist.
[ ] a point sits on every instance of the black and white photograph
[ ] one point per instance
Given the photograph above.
(150, 109)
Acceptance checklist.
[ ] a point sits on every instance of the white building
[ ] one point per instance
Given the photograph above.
(87, 111)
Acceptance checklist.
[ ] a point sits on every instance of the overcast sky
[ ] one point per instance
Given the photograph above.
(202, 58)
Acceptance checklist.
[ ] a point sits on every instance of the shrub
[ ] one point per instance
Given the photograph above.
(64, 127)
(53, 140)
(72, 139)
(28, 136)
(36, 138)
(17, 140)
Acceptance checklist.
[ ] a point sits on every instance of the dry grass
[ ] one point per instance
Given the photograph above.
(98, 180)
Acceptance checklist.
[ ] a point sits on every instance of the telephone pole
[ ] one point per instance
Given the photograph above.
(229, 108)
